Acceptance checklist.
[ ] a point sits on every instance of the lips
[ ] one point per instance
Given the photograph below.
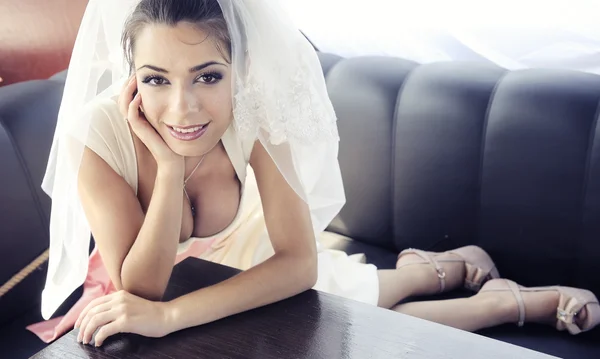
(187, 133)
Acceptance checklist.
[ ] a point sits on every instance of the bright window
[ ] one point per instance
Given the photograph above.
(511, 33)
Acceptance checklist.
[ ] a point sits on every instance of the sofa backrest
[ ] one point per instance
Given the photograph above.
(28, 113)
(443, 155)
(433, 156)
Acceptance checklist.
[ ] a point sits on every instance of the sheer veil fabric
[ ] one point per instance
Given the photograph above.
(279, 98)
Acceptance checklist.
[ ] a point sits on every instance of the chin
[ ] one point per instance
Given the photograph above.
(190, 152)
(193, 148)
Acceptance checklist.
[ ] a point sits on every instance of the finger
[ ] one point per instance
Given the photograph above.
(90, 314)
(107, 330)
(127, 95)
(96, 322)
(133, 113)
(127, 82)
(123, 91)
(91, 305)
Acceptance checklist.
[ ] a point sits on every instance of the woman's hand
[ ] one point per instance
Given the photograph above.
(130, 108)
(121, 312)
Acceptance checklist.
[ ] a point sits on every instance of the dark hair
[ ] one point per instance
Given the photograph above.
(205, 14)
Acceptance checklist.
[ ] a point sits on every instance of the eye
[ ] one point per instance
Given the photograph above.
(210, 78)
(154, 80)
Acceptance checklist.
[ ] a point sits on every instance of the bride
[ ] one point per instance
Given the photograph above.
(203, 128)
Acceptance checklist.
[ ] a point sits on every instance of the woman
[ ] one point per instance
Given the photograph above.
(222, 144)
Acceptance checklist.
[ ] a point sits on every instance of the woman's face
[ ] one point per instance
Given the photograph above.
(185, 86)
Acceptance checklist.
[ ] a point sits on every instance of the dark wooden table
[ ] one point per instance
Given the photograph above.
(310, 325)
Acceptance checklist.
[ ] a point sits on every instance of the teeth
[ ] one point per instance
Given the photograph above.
(188, 130)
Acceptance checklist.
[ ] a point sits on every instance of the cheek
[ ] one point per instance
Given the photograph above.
(153, 105)
(219, 104)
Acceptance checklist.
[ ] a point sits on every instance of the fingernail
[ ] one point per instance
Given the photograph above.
(132, 79)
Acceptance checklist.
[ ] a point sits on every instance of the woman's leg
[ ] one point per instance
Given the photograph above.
(418, 279)
(486, 309)
(483, 310)
(470, 314)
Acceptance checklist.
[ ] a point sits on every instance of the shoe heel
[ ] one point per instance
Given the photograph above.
(593, 316)
(479, 267)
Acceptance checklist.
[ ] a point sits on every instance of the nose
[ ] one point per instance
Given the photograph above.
(183, 101)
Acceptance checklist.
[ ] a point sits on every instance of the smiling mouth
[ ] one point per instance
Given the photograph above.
(188, 129)
(187, 133)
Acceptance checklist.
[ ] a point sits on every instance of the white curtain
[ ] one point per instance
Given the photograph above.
(514, 34)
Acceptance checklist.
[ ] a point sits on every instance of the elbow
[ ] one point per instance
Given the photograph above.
(300, 271)
(313, 273)
(311, 281)
(142, 288)
(141, 283)
(308, 272)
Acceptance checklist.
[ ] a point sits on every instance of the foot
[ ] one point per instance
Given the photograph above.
(539, 307)
(452, 272)
(563, 307)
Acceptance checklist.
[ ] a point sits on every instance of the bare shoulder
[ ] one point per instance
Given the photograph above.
(103, 116)
(287, 216)
(107, 134)
(268, 173)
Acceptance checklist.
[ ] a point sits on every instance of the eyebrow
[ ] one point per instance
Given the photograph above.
(192, 70)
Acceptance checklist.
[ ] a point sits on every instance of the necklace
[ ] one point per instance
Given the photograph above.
(185, 182)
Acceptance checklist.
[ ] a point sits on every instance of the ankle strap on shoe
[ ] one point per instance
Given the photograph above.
(517, 293)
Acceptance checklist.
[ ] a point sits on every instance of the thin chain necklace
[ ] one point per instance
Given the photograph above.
(185, 182)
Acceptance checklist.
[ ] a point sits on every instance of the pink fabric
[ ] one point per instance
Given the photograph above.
(97, 284)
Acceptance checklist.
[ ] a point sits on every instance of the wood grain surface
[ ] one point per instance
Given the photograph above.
(310, 325)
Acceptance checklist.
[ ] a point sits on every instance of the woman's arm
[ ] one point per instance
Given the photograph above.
(138, 251)
(291, 270)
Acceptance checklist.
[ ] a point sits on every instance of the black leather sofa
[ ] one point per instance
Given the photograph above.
(433, 156)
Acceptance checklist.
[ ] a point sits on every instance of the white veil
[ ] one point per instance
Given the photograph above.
(279, 97)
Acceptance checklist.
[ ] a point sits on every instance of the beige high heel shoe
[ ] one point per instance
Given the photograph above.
(479, 267)
(571, 301)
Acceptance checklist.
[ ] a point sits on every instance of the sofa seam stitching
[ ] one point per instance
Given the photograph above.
(394, 152)
(484, 129)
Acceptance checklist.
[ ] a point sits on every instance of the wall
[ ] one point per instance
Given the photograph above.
(37, 37)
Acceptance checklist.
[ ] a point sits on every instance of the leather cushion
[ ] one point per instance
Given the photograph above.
(27, 118)
(540, 338)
